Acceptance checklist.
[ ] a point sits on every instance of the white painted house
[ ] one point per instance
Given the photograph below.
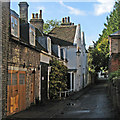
(69, 37)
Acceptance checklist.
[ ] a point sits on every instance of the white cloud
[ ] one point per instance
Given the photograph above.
(73, 10)
(103, 6)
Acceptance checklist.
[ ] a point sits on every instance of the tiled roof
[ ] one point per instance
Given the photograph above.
(115, 35)
(63, 35)
(40, 47)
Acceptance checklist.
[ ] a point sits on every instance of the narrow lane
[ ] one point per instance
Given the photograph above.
(94, 104)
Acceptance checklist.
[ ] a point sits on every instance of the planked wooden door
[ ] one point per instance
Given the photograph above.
(12, 92)
(15, 92)
(22, 90)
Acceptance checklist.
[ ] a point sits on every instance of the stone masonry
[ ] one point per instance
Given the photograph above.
(20, 54)
(4, 31)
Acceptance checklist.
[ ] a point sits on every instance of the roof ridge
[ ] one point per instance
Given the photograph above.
(51, 30)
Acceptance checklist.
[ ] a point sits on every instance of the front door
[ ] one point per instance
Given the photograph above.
(68, 81)
(44, 82)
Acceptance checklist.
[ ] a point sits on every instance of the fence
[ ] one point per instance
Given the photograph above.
(114, 92)
(64, 94)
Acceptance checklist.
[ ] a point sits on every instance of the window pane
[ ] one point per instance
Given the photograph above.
(15, 21)
(21, 78)
(12, 19)
(32, 37)
(14, 78)
(14, 26)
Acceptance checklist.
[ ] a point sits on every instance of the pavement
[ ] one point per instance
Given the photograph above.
(91, 102)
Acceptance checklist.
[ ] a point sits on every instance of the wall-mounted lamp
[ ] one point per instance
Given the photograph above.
(78, 52)
(38, 67)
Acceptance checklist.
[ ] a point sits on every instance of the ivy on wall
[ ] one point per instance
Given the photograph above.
(58, 78)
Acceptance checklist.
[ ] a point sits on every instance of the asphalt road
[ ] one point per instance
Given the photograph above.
(93, 104)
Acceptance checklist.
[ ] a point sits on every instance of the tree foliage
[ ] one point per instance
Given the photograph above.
(99, 55)
(50, 24)
(58, 78)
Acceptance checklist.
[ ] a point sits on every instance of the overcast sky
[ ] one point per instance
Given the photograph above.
(91, 14)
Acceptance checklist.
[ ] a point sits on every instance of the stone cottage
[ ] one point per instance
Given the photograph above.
(72, 42)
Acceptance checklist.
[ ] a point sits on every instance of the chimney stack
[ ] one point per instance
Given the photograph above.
(68, 19)
(38, 21)
(40, 16)
(24, 11)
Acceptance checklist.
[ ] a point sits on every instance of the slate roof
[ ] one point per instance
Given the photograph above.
(63, 35)
(115, 35)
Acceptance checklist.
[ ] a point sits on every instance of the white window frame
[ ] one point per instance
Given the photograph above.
(13, 29)
(33, 31)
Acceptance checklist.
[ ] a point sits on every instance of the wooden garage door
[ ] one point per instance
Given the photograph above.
(16, 91)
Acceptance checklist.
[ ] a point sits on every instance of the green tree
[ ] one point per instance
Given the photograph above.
(58, 78)
(50, 24)
(99, 55)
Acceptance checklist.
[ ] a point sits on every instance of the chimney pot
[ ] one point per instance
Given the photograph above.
(68, 19)
(36, 15)
(40, 16)
(33, 16)
(63, 20)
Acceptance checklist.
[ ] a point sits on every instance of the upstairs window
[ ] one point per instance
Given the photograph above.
(32, 36)
(14, 26)
(62, 56)
(49, 45)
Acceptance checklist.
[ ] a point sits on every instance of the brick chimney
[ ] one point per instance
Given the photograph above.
(23, 6)
(37, 21)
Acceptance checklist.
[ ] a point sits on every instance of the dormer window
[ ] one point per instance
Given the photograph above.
(63, 53)
(49, 45)
(59, 52)
(14, 24)
(32, 35)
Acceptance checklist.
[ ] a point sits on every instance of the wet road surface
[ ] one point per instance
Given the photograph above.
(89, 103)
(94, 104)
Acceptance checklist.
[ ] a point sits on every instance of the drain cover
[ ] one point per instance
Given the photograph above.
(83, 111)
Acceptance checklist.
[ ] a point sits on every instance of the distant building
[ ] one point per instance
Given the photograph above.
(114, 62)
